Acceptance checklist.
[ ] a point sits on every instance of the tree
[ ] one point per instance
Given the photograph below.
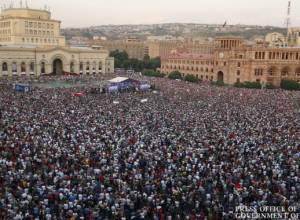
(152, 73)
(155, 62)
(120, 58)
(270, 86)
(249, 85)
(175, 75)
(122, 61)
(290, 85)
(219, 83)
(191, 78)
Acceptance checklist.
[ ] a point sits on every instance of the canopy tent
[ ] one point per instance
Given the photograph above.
(118, 80)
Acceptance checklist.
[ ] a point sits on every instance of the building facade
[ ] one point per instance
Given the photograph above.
(234, 61)
(31, 44)
(135, 48)
(276, 40)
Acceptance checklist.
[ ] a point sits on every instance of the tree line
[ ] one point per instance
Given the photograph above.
(122, 60)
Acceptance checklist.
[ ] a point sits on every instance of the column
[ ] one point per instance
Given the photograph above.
(67, 67)
(9, 68)
(97, 68)
(48, 68)
(84, 68)
(19, 68)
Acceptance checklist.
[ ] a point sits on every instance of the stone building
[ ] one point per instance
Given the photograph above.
(276, 40)
(235, 61)
(31, 44)
(135, 48)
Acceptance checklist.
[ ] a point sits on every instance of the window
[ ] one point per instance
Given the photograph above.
(4, 67)
(238, 72)
(94, 67)
(23, 67)
(239, 64)
(87, 66)
(43, 70)
(258, 72)
(271, 71)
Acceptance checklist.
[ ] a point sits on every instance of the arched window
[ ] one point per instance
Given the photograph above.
(81, 66)
(23, 67)
(100, 66)
(297, 72)
(43, 69)
(87, 66)
(285, 72)
(4, 67)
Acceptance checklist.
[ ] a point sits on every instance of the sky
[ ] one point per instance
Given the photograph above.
(85, 13)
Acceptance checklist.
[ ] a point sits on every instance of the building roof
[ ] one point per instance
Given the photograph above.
(118, 80)
(190, 56)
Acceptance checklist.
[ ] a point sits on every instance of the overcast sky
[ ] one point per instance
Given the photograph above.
(84, 13)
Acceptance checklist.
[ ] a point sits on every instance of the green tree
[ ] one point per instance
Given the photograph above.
(175, 75)
(153, 73)
(191, 78)
(155, 63)
(249, 85)
(219, 83)
(120, 58)
(122, 61)
(290, 85)
(270, 86)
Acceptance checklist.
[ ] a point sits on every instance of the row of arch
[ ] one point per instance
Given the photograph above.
(283, 72)
(57, 64)
(14, 67)
(190, 68)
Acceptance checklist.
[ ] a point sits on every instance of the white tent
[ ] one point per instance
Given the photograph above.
(118, 80)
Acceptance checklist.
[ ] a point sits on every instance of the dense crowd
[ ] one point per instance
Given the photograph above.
(186, 152)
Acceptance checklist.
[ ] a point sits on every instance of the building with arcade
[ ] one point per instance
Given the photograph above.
(31, 44)
(233, 60)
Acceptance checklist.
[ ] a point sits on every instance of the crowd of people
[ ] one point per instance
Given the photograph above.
(188, 151)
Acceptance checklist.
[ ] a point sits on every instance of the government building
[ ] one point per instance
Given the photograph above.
(232, 60)
(31, 44)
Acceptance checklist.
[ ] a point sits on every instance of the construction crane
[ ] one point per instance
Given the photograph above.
(288, 18)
